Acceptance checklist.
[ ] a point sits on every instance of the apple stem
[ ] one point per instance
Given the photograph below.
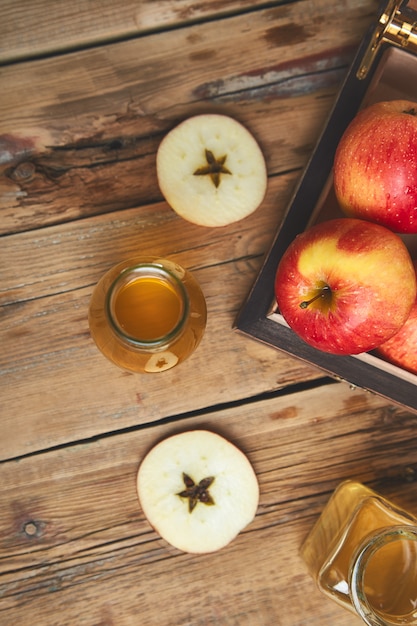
(324, 291)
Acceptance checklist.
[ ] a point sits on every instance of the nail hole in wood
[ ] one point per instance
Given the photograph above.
(31, 529)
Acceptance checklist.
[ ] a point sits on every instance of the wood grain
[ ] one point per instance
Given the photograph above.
(79, 132)
(90, 552)
(24, 31)
(46, 340)
(84, 195)
(88, 92)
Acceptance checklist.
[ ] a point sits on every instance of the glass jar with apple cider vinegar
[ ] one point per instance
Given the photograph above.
(147, 314)
(362, 552)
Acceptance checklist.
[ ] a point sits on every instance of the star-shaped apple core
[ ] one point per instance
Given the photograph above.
(215, 168)
(196, 493)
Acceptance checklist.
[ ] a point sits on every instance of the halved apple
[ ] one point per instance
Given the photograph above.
(211, 170)
(197, 490)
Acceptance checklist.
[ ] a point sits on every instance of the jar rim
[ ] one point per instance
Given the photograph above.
(127, 275)
(367, 549)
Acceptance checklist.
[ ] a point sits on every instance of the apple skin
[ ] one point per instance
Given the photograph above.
(369, 281)
(375, 166)
(401, 349)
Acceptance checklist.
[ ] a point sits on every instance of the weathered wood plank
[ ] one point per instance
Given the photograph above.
(67, 257)
(24, 31)
(79, 132)
(75, 547)
(82, 181)
(45, 338)
(78, 192)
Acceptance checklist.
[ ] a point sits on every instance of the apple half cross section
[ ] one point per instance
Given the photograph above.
(197, 490)
(211, 170)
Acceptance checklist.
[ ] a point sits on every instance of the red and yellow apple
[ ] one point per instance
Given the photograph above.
(401, 349)
(346, 285)
(375, 166)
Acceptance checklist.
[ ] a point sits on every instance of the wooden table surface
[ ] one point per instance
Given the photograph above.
(88, 90)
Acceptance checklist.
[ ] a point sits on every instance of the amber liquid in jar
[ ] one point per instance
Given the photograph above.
(390, 580)
(147, 315)
(353, 514)
(148, 308)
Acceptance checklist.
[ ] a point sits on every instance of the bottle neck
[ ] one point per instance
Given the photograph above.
(383, 577)
(147, 307)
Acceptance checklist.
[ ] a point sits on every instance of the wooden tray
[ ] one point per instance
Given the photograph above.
(383, 69)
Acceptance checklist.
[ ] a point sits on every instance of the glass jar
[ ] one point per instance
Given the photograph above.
(147, 314)
(363, 554)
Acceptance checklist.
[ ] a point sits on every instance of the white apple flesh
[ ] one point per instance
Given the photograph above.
(211, 170)
(197, 490)
(346, 285)
(375, 166)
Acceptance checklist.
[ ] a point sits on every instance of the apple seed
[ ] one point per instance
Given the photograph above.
(214, 167)
(196, 493)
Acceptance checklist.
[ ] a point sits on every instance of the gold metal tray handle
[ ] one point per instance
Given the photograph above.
(397, 25)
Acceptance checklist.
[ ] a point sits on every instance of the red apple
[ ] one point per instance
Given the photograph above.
(375, 166)
(401, 349)
(346, 285)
